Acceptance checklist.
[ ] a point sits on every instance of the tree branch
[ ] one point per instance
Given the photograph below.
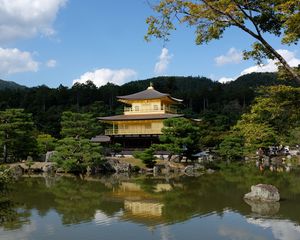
(250, 18)
(257, 36)
(235, 22)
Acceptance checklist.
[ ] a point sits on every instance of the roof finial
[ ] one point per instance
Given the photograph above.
(150, 86)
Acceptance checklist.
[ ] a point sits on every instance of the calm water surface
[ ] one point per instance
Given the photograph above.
(120, 207)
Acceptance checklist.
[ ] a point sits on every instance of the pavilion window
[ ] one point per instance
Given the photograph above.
(146, 106)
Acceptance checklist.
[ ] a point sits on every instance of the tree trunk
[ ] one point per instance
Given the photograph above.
(281, 59)
(77, 101)
(5, 153)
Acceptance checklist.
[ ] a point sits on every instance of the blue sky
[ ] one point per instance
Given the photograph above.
(56, 42)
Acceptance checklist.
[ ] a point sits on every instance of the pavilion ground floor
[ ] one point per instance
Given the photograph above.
(132, 142)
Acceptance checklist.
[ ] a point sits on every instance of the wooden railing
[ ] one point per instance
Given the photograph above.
(163, 109)
(132, 131)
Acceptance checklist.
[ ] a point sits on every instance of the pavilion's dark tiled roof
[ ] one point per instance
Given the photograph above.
(139, 117)
(149, 93)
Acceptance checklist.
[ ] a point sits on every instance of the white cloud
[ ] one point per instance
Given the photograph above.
(26, 18)
(163, 61)
(232, 56)
(51, 63)
(104, 75)
(281, 229)
(12, 60)
(270, 66)
(225, 79)
(102, 219)
(238, 233)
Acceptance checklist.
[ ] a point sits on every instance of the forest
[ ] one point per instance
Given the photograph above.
(201, 96)
(231, 114)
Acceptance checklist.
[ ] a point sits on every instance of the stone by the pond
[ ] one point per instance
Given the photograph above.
(156, 170)
(49, 167)
(33, 167)
(16, 170)
(60, 170)
(189, 170)
(263, 208)
(114, 165)
(264, 193)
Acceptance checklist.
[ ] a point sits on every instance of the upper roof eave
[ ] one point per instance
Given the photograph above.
(147, 94)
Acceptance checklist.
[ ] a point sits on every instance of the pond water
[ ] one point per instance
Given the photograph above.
(122, 207)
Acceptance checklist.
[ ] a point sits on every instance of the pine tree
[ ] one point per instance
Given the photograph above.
(17, 139)
(82, 125)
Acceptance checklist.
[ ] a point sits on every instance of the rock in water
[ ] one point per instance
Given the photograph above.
(264, 193)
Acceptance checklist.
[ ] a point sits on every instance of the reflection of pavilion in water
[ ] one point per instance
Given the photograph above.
(140, 206)
(143, 208)
(133, 187)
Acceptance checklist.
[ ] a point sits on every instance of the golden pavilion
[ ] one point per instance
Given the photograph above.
(143, 117)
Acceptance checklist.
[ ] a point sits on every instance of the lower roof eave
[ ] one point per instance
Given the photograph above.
(135, 135)
(139, 117)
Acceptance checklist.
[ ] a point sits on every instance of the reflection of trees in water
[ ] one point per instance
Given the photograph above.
(202, 196)
(74, 199)
(224, 191)
(7, 213)
(77, 201)
(246, 175)
(287, 183)
(10, 217)
(180, 199)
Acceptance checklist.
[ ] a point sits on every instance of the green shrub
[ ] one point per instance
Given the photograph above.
(147, 157)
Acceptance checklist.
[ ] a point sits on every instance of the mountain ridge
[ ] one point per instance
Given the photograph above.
(4, 84)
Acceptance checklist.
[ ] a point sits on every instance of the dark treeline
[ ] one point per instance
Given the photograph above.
(202, 97)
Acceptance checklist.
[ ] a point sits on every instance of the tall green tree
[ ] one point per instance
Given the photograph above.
(273, 117)
(84, 125)
(17, 139)
(180, 136)
(211, 18)
(231, 148)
